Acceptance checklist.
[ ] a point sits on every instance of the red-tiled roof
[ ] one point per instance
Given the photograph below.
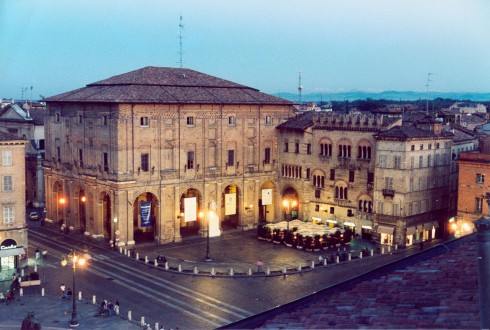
(437, 293)
(167, 85)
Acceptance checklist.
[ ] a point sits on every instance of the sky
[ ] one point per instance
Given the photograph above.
(55, 46)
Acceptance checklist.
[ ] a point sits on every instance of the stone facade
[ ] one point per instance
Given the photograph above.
(13, 229)
(106, 160)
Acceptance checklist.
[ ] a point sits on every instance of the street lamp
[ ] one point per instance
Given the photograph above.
(61, 202)
(80, 261)
(288, 204)
(209, 215)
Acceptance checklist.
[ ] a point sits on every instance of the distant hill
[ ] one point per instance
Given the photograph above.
(386, 95)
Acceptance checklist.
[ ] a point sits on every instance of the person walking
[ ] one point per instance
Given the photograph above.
(116, 306)
(62, 290)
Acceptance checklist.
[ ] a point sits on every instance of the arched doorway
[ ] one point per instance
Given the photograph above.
(290, 204)
(230, 211)
(190, 206)
(58, 203)
(144, 218)
(106, 214)
(266, 202)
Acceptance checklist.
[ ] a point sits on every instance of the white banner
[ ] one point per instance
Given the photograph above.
(266, 196)
(190, 209)
(230, 204)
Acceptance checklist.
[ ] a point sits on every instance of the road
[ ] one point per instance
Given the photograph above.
(175, 299)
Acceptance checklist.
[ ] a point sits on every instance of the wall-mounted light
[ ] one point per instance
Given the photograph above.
(152, 169)
(83, 198)
(185, 168)
(197, 168)
(139, 170)
(237, 164)
(181, 215)
(247, 208)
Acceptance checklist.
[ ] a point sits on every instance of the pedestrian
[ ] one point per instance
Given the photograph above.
(259, 266)
(110, 307)
(69, 293)
(45, 255)
(2, 297)
(38, 253)
(116, 306)
(62, 290)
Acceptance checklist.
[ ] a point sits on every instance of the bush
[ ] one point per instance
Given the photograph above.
(34, 276)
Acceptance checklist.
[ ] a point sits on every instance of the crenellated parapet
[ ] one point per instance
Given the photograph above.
(351, 122)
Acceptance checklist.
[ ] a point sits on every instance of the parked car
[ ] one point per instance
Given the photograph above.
(34, 216)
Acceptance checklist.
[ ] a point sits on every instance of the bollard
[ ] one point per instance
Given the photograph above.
(155, 263)
(21, 292)
(324, 262)
(42, 292)
(348, 257)
(250, 272)
(268, 271)
(142, 323)
(137, 256)
(212, 271)
(284, 270)
(124, 251)
(120, 249)
(195, 270)
(396, 247)
(35, 268)
(129, 316)
(312, 265)
(337, 259)
(299, 268)
(383, 250)
(180, 268)
(22, 272)
(79, 295)
(146, 259)
(372, 252)
(94, 301)
(157, 326)
(231, 272)
(166, 265)
(389, 248)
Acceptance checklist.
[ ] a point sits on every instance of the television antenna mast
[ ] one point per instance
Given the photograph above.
(427, 101)
(300, 88)
(181, 27)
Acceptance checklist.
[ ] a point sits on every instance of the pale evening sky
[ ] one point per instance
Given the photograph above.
(338, 45)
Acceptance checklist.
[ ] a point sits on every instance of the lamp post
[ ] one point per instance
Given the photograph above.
(201, 216)
(75, 259)
(288, 204)
(115, 233)
(61, 201)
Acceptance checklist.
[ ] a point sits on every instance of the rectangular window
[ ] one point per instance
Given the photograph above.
(388, 183)
(190, 160)
(410, 188)
(421, 147)
(105, 157)
(430, 146)
(412, 148)
(231, 121)
(380, 208)
(267, 155)
(351, 176)
(7, 183)
(296, 148)
(268, 120)
(58, 153)
(332, 210)
(144, 121)
(190, 121)
(478, 204)
(332, 174)
(307, 174)
(104, 120)
(231, 157)
(286, 147)
(437, 145)
(317, 193)
(480, 178)
(145, 162)
(317, 207)
(370, 178)
(412, 162)
(80, 157)
(80, 119)
(308, 149)
(57, 117)
(410, 209)
(420, 184)
(7, 157)
(8, 214)
(396, 162)
(421, 161)
(382, 161)
(395, 210)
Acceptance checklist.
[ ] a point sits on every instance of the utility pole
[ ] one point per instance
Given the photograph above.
(181, 27)
(428, 81)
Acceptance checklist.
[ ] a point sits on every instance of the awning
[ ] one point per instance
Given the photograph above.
(385, 229)
(367, 227)
(316, 218)
(350, 224)
(411, 230)
(12, 252)
(331, 221)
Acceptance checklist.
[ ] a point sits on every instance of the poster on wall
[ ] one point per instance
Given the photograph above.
(230, 204)
(145, 214)
(190, 209)
(266, 196)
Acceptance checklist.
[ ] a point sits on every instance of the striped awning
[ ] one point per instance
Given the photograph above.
(385, 229)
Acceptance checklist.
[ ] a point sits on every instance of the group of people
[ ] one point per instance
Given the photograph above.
(14, 285)
(64, 293)
(109, 308)
(7, 299)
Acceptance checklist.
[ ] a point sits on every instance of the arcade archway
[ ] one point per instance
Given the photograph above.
(230, 207)
(144, 218)
(105, 204)
(190, 206)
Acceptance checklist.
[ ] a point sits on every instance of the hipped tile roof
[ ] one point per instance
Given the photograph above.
(164, 85)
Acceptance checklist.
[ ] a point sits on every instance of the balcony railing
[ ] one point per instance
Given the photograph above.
(388, 193)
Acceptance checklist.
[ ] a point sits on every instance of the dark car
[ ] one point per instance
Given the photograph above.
(34, 216)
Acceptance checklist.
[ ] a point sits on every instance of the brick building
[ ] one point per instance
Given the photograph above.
(13, 229)
(140, 155)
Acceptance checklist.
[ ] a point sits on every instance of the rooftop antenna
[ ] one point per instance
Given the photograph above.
(427, 101)
(181, 27)
(300, 88)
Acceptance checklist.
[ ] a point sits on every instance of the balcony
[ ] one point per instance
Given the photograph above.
(388, 193)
